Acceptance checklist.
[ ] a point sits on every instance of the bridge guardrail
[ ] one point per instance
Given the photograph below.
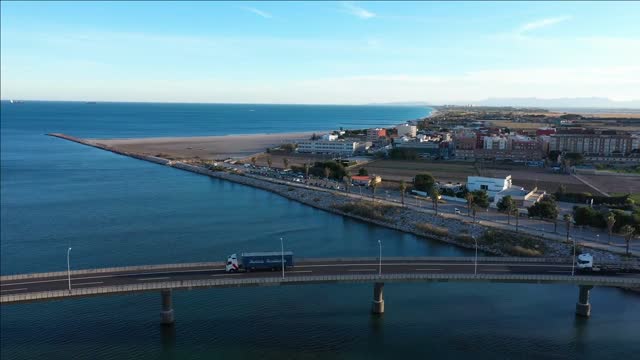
(632, 262)
(112, 269)
(276, 281)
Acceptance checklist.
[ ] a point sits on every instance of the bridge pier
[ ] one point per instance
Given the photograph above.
(583, 307)
(377, 307)
(166, 315)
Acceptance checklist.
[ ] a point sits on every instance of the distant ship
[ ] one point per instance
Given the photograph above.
(16, 101)
(90, 102)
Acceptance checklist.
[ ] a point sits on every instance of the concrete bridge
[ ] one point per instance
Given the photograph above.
(168, 277)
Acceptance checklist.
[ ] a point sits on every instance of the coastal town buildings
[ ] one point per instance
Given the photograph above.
(594, 142)
(374, 134)
(407, 130)
(338, 147)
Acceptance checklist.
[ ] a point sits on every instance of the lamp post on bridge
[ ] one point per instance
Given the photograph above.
(380, 259)
(282, 249)
(69, 268)
(475, 263)
(573, 262)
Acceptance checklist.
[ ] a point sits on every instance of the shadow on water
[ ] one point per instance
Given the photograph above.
(168, 338)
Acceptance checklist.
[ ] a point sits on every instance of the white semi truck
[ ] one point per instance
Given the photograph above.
(585, 264)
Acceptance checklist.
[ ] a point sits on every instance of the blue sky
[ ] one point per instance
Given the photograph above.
(318, 52)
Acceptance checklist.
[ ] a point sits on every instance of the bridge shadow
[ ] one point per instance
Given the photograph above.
(168, 338)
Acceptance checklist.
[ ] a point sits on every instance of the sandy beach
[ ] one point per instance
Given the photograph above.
(204, 147)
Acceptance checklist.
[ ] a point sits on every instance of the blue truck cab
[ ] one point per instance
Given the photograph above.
(259, 261)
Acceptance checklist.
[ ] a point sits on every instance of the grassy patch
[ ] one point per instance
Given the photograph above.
(367, 209)
(512, 244)
(432, 229)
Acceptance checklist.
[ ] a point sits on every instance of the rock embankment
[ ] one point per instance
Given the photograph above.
(406, 219)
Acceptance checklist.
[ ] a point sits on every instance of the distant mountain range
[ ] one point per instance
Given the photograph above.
(532, 102)
(589, 102)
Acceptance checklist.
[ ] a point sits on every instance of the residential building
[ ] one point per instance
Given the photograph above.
(595, 142)
(407, 130)
(495, 142)
(374, 134)
(328, 147)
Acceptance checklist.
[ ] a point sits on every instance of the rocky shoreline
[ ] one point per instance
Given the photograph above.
(401, 218)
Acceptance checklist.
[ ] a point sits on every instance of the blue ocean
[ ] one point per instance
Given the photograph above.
(113, 210)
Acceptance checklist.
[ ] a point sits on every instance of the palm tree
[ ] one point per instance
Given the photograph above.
(347, 182)
(327, 173)
(403, 188)
(306, 170)
(469, 198)
(628, 231)
(374, 185)
(269, 161)
(611, 220)
(254, 160)
(435, 194)
(568, 219)
(285, 162)
(516, 213)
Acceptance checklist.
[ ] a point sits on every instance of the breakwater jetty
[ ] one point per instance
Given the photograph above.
(410, 219)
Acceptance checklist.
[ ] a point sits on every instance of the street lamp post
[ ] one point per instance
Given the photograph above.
(282, 249)
(69, 268)
(475, 265)
(380, 259)
(573, 263)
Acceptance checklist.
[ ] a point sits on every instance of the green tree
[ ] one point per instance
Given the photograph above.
(269, 161)
(363, 172)
(544, 209)
(507, 205)
(628, 231)
(423, 182)
(285, 162)
(403, 189)
(306, 170)
(254, 160)
(481, 198)
(611, 221)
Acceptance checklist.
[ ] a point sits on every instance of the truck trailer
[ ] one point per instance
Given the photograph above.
(586, 264)
(259, 261)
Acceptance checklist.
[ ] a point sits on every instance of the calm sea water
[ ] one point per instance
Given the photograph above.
(115, 211)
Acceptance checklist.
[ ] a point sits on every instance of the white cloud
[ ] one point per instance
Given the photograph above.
(258, 12)
(358, 11)
(541, 23)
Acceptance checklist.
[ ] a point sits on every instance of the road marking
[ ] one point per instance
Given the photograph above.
(299, 271)
(428, 269)
(13, 290)
(362, 270)
(437, 264)
(116, 274)
(88, 283)
(230, 274)
(156, 278)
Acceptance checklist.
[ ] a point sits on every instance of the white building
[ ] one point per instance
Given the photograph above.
(329, 137)
(407, 130)
(491, 185)
(327, 147)
(495, 143)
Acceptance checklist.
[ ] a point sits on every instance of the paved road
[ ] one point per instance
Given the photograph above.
(311, 267)
(490, 217)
